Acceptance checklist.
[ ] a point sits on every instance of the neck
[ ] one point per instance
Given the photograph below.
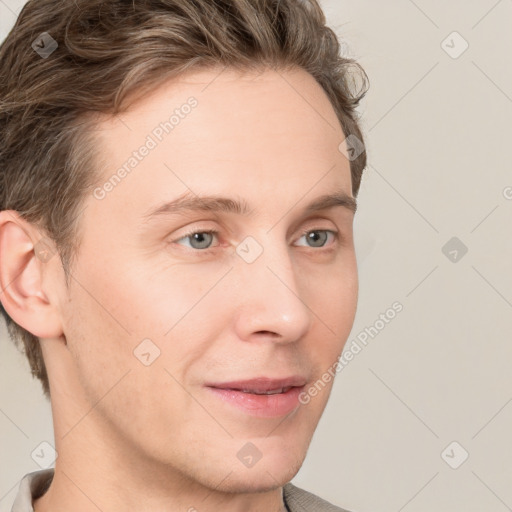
(88, 491)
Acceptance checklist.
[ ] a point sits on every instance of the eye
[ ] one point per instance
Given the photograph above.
(201, 240)
(198, 239)
(319, 236)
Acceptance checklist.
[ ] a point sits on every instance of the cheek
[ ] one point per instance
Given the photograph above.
(175, 306)
(170, 294)
(99, 346)
(103, 331)
(332, 294)
(333, 303)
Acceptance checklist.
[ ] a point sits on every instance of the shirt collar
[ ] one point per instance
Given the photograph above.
(32, 486)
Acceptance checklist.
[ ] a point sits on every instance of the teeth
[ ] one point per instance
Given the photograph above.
(271, 392)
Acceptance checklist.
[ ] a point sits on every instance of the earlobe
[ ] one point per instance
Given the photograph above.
(21, 277)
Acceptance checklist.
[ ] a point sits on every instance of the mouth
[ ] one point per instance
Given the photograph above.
(269, 392)
(262, 396)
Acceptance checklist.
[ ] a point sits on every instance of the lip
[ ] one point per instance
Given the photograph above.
(247, 395)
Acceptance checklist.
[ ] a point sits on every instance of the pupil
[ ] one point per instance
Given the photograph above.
(199, 237)
(314, 236)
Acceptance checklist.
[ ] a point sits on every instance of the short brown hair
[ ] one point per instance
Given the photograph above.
(105, 50)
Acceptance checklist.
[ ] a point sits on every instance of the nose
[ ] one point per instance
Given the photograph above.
(270, 298)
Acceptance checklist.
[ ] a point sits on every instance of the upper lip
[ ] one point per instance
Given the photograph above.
(261, 384)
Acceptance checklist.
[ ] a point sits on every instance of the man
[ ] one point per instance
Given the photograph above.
(176, 245)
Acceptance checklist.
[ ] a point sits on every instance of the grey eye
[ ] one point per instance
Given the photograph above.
(199, 239)
(317, 237)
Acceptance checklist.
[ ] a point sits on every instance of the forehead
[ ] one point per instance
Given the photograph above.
(219, 130)
(231, 108)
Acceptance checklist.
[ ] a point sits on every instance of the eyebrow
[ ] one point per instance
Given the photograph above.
(190, 202)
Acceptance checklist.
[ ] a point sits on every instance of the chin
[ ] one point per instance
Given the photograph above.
(252, 481)
(267, 474)
(225, 475)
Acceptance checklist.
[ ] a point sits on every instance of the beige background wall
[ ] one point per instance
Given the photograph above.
(439, 129)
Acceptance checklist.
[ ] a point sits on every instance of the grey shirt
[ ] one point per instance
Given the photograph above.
(35, 484)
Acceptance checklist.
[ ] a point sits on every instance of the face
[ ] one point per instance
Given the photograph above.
(191, 332)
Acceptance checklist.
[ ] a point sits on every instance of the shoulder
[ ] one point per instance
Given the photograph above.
(299, 500)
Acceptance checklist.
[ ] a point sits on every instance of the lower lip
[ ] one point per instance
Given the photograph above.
(264, 406)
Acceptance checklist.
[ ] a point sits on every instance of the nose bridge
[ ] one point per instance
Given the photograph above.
(269, 291)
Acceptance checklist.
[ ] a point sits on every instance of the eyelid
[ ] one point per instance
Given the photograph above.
(335, 232)
(311, 223)
(194, 231)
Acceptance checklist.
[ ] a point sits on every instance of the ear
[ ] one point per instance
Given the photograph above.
(25, 258)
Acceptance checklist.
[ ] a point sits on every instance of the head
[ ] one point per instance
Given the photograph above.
(114, 293)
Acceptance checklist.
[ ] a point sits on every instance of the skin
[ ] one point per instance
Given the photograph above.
(139, 438)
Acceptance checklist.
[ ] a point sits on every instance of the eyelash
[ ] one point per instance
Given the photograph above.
(336, 235)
